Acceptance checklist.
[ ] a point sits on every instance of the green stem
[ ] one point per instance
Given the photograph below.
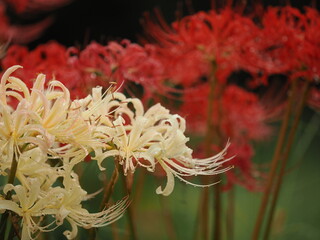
(208, 142)
(285, 157)
(8, 231)
(217, 210)
(130, 212)
(132, 227)
(107, 195)
(12, 176)
(139, 186)
(110, 187)
(230, 214)
(274, 162)
(5, 215)
(205, 214)
(114, 230)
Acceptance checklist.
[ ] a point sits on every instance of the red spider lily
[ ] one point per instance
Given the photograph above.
(121, 62)
(23, 6)
(244, 173)
(194, 108)
(50, 59)
(308, 52)
(95, 65)
(240, 112)
(238, 115)
(314, 99)
(196, 42)
(243, 115)
(185, 68)
(271, 50)
(198, 47)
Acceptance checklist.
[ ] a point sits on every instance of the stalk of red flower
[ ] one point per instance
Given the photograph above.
(210, 135)
(213, 135)
(274, 163)
(285, 155)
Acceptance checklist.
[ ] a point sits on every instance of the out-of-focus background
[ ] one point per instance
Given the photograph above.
(297, 216)
(83, 21)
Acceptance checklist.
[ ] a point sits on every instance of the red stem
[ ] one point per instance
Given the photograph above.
(285, 156)
(274, 163)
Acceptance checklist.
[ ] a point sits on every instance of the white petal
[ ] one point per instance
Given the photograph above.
(170, 182)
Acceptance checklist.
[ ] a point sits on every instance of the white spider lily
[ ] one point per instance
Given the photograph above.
(47, 124)
(34, 204)
(33, 164)
(156, 138)
(44, 119)
(133, 147)
(72, 211)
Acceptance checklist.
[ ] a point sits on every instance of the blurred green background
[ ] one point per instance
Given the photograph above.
(297, 215)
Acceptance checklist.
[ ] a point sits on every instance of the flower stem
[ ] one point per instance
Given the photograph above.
(107, 195)
(12, 176)
(285, 158)
(274, 162)
(110, 187)
(217, 210)
(208, 146)
(132, 227)
(130, 210)
(5, 215)
(230, 213)
(114, 230)
(205, 214)
(198, 219)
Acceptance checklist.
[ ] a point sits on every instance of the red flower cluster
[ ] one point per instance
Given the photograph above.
(196, 41)
(180, 61)
(80, 70)
(210, 45)
(238, 115)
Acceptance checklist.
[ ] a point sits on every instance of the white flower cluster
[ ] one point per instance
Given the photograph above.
(48, 127)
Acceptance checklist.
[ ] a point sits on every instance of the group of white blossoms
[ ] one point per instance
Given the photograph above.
(48, 127)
